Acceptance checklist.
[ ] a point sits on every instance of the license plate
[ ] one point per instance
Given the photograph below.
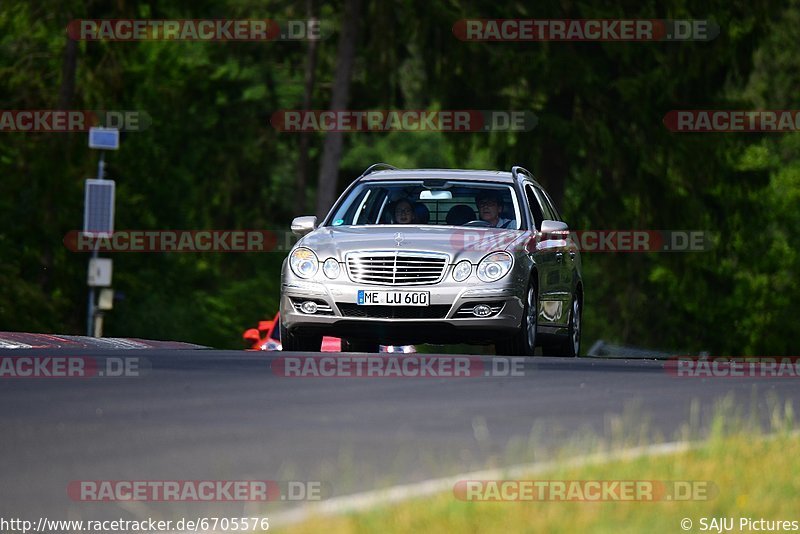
(393, 298)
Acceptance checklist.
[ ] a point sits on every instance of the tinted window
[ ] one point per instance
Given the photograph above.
(533, 203)
(551, 205)
(549, 213)
(416, 202)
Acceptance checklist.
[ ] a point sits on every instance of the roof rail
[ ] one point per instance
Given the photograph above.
(516, 169)
(376, 166)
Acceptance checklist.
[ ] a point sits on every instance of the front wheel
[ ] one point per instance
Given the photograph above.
(569, 346)
(523, 342)
(300, 343)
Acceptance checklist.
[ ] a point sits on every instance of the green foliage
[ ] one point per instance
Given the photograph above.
(210, 158)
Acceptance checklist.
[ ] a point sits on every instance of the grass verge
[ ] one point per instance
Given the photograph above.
(755, 477)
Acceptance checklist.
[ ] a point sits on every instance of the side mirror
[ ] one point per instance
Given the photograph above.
(554, 229)
(304, 225)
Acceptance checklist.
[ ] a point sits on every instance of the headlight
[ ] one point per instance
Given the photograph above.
(462, 270)
(495, 266)
(331, 268)
(304, 262)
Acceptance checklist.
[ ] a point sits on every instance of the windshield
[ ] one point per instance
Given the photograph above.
(440, 202)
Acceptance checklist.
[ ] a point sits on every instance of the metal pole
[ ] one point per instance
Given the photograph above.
(101, 171)
(101, 166)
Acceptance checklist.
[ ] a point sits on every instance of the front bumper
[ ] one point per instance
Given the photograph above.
(443, 321)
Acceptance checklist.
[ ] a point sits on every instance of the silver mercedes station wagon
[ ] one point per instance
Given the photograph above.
(409, 256)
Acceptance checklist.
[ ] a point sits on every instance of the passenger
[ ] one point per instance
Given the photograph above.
(404, 212)
(490, 206)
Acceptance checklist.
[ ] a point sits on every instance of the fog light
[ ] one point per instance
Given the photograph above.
(309, 307)
(481, 310)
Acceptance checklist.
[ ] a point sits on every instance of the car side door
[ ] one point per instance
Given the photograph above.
(557, 309)
(543, 255)
(571, 259)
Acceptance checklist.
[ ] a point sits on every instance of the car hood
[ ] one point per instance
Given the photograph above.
(460, 243)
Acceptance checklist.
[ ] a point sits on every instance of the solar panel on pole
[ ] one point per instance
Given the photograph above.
(104, 138)
(98, 213)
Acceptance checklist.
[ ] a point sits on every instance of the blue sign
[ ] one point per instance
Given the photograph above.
(104, 138)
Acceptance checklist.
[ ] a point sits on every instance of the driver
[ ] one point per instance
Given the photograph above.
(490, 206)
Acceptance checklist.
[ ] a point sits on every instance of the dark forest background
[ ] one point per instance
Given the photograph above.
(210, 159)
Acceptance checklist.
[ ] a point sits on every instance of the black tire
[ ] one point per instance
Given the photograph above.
(360, 345)
(570, 345)
(300, 343)
(523, 342)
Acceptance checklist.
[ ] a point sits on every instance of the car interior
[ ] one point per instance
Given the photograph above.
(454, 205)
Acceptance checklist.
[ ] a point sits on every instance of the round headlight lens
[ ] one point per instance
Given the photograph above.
(495, 266)
(304, 262)
(462, 270)
(331, 268)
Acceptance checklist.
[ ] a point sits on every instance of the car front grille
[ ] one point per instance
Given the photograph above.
(437, 311)
(396, 268)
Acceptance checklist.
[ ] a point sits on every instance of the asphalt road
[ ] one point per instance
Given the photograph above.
(225, 415)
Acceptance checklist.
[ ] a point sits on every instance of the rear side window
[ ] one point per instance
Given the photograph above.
(551, 205)
(547, 208)
(533, 203)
